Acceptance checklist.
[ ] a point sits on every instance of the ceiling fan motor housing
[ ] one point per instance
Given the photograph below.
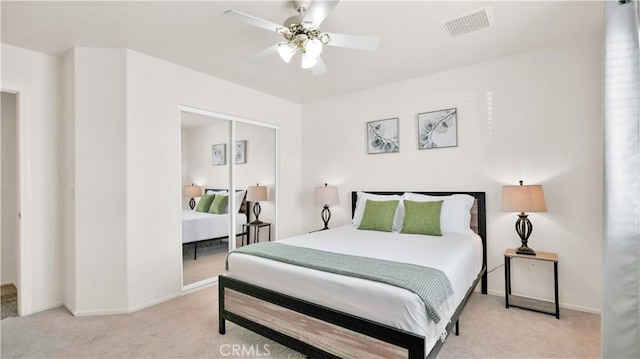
(301, 6)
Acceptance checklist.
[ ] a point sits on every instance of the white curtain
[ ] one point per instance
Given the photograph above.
(621, 240)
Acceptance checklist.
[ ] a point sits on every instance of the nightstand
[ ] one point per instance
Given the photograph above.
(246, 229)
(527, 303)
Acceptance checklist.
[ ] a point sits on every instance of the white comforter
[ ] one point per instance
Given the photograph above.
(197, 226)
(457, 255)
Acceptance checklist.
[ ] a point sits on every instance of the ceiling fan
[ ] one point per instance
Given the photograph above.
(302, 34)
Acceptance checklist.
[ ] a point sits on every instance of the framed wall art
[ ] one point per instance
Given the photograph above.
(438, 129)
(219, 154)
(382, 136)
(241, 152)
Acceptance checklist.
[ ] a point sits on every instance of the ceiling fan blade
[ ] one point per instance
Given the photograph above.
(255, 21)
(319, 10)
(354, 42)
(269, 51)
(320, 68)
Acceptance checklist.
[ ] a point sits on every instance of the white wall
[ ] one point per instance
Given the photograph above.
(9, 191)
(100, 157)
(535, 116)
(68, 194)
(40, 77)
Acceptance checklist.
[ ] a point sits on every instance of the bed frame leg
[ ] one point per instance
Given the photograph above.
(457, 328)
(221, 320)
(195, 251)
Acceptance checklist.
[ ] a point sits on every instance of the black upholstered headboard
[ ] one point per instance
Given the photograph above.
(478, 217)
(244, 207)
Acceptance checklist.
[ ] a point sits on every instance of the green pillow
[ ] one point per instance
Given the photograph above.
(422, 218)
(204, 202)
(378, 215)
(219, 204)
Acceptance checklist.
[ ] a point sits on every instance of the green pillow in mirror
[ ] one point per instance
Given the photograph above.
(205, 202)
(378, 215)
(422, 218)
(219, 204)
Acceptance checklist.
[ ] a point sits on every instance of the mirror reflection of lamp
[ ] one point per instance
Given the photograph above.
(192, 191)
(256, 194)
(523, 199)
(326, 195)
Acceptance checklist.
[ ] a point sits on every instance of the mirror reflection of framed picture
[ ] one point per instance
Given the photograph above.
(241, 152)
(219, 154)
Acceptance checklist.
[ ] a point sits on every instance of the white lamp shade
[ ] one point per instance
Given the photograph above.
(256, 193)
(326, 195)
(308, 61)
(192, 191)
(313, 48)
(286, 50)
(523, 199)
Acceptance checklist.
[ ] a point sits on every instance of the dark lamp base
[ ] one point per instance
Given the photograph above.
(256, 222)
(526, 250)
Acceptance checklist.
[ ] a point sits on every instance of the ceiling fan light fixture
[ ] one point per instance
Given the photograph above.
(286, 50)
(313, 48)
(308, 61)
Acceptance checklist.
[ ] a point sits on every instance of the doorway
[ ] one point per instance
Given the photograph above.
(9, 209)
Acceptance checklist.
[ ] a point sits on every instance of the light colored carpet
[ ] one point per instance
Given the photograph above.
(210, 262)
(187, 327)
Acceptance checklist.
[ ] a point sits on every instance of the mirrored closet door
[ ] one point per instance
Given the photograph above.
(205, 149)
(255, 171)
(222, 154)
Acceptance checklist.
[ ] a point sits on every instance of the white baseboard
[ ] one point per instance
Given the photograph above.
(154, 302)
(46, 307)
(562, 305)
(84, 313)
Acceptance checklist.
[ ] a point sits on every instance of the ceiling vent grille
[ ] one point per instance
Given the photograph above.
(467, 23)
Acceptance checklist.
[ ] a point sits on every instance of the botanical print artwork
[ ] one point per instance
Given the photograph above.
(241, 151)
(438, 129)
(219, 154)
(382, 136)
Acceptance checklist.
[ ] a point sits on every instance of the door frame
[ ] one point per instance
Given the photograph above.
(24, 197)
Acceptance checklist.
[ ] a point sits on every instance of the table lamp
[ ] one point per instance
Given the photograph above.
(326, 195)
(523, 199)
(256, 194)
(192, 191)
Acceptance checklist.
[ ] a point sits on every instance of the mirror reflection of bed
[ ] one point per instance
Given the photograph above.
(205, 235)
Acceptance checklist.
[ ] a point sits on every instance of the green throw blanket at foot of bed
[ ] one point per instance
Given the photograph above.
(430, 284)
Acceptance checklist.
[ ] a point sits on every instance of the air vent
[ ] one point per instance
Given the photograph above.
(467, 23)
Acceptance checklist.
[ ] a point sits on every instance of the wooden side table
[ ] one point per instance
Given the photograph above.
(528, 303)
(246, 229)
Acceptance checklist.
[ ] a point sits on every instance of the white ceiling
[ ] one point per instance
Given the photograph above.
(197, 36)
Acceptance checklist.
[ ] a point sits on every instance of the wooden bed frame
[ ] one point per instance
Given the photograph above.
(321, 332)
(244, 208)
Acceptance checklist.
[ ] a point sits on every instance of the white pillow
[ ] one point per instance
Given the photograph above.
(210, 191)
(398, 219)
(238, 197)
(455, 216)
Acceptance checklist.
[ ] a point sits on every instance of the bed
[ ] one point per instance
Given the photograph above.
(199, 227)
(328, 315)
